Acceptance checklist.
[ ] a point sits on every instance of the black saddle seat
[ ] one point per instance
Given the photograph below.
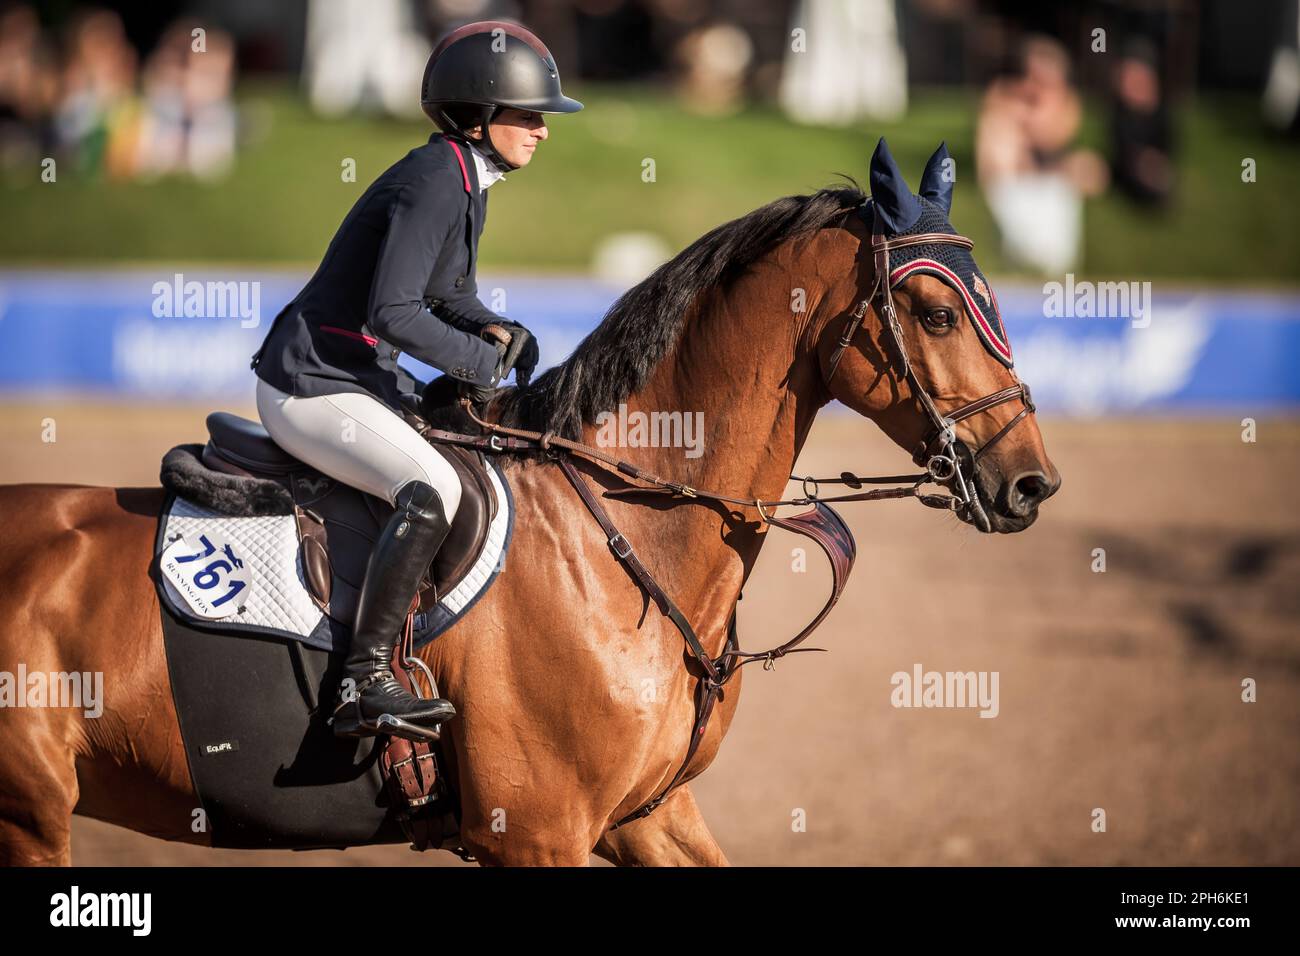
(247, 444)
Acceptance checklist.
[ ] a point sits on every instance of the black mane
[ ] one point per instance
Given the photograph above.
(617, 357)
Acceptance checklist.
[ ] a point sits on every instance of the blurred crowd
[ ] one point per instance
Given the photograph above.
(84, 97)
(80, 91)
(1034, 176)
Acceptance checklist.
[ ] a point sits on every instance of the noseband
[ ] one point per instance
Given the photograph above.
(940, 451)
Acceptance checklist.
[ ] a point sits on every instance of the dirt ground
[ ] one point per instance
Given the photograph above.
(1119, 690)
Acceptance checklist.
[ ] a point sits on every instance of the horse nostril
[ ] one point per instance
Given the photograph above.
(1028, 492)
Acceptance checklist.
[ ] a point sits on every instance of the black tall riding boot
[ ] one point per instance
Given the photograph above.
(402, 554)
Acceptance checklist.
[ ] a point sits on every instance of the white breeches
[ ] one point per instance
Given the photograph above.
(358, 440)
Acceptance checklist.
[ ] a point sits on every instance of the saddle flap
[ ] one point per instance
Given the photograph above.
(315, 559)
(478, 505)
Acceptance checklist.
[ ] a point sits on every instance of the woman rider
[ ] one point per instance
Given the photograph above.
(399, 276)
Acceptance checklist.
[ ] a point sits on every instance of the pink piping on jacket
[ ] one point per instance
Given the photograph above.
(368, 339)
(461, 159)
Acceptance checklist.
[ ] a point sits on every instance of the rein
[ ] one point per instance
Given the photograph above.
(940, 455)
(505, 439)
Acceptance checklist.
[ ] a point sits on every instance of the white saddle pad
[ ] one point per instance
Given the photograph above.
(274, 598)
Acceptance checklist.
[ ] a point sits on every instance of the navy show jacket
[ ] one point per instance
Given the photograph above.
(397, 276)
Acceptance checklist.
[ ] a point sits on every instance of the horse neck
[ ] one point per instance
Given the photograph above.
(743, 375)
(738, 376)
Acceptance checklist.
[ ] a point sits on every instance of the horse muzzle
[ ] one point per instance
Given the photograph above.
(1010, 504)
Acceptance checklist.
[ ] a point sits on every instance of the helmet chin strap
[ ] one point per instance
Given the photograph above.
(487, 146)
(484, 143)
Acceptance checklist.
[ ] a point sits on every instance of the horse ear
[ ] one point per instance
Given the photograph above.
(934, 185)
(891, 199)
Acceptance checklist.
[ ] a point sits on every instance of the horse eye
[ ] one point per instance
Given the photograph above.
(939, 319)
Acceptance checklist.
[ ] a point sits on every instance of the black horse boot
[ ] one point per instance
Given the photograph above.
(377, 703)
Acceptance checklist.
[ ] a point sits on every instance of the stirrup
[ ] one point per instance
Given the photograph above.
(355, 726)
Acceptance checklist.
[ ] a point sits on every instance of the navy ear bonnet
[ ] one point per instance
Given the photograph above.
(905, 214)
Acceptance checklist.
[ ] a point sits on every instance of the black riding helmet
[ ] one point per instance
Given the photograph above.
(480, 68)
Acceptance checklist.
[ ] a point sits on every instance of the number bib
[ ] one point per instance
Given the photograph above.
(207, 571)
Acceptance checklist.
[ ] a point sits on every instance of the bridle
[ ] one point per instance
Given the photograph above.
(943, 456)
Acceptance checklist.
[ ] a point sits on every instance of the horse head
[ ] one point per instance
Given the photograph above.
(924, 354)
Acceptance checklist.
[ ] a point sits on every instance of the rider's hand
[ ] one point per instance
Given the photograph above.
(478, 394)
(523, 353)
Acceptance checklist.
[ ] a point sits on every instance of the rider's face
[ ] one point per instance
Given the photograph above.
(516, 133)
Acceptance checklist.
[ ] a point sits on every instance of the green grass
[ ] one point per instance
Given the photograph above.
(285, 197)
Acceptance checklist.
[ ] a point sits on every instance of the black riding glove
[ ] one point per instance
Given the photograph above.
(523, 353)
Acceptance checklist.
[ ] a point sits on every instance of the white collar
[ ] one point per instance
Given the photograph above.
(487, 171)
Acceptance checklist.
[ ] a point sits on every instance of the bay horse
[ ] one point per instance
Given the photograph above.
(757, 326)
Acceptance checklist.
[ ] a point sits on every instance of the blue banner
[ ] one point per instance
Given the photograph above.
(155, 336)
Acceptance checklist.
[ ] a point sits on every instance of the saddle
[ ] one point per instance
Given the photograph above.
(338, 525)
(241, 471)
